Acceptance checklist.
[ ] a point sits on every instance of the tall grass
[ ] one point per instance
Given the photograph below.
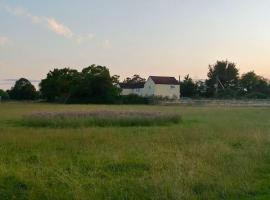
(214, 153)
(98, 118)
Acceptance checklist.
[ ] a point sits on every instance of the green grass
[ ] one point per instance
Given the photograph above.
(214, 153)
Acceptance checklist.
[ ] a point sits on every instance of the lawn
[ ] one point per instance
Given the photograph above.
(213, 153)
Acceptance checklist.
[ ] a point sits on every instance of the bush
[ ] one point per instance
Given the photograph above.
(4, 95)
(257, 95)
(134, 99)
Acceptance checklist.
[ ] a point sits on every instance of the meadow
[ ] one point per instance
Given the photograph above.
(212, 153)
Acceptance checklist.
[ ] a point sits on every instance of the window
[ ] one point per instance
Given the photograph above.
(172, 86)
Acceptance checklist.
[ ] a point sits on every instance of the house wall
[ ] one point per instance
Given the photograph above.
(149, 88)
(138, 91)
(126, 91)
(152, 89)
(171, 91)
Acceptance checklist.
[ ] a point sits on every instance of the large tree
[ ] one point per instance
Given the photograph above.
(252, 83)
(23, 90)
(92, 85)
(58, 84)
(188, 87)
(96, 86)
(222, 76)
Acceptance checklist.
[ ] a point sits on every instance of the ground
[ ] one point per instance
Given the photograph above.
(214, 153)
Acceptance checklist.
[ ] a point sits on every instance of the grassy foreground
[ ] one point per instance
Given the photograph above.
(214, 153)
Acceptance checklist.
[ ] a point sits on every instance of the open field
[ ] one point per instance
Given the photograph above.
(213, 153)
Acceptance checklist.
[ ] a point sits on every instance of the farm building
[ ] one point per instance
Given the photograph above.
(132, 88)
(162, 86)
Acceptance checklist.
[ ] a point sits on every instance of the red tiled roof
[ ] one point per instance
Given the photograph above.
(164, 80)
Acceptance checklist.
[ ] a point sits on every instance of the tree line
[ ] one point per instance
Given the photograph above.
(224, 81)
(94, 84)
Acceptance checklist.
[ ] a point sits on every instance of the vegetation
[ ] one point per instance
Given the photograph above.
(135, 79)
(100, 118)
(92, 85)
(214, 153)
(224, 82)
(23, 90)
(4, 95)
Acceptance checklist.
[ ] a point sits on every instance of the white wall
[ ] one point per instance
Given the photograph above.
(170, 91)
(152, 89)
(149, 88)
(138, 91)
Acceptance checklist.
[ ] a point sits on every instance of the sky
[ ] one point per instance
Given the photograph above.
(146, 37)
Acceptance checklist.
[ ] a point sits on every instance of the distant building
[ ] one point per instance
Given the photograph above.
(132, 88)
(161, 86)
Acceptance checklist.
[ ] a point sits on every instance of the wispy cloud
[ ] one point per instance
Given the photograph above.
(59, 28)
(49, 22)
(83, 38)
(20, 11)
(106, 44)
(4, 40)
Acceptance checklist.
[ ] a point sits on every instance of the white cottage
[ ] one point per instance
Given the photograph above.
(162, 86)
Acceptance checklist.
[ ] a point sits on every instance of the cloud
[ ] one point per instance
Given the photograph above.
(3, 41)
(59, 28)
(106, 44)
(20, 11)
(49, 22)
(83, 38)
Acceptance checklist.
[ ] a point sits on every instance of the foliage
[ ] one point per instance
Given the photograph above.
(92, 85)
(135, 79)
(134, 99)
(58, 84)
(253, 85)
(4, 95)
(23, 90)
(222, 75)
(188, 87)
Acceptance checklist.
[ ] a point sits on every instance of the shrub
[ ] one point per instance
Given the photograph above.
(134, 99)
(4, 95)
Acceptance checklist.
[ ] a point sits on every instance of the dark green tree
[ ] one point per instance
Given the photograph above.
(188, 87)
(254, 85)
(222, 76)
(4, 95)
(135, 79)
(96, 86)
(23, 90)
(58, 84)
(92, 85)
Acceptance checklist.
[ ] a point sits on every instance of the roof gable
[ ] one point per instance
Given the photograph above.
(164, 80)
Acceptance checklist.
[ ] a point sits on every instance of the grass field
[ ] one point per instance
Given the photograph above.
(214, 153)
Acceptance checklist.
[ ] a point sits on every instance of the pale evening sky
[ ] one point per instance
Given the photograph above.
(146, 37)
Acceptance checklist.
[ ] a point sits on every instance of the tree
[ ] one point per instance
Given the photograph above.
(58, 84)
(135, 79)
(252, 83)
(188, 87)
(4, 95)
(96, 86)
(92, 85)
(23, 90)
(222, 76)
